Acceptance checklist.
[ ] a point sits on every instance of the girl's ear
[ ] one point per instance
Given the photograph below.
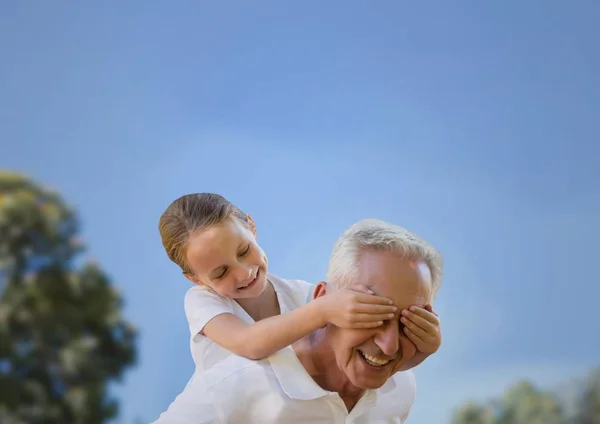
(251, 225)
(193, 279)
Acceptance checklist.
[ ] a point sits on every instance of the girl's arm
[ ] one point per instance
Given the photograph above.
(345, 308)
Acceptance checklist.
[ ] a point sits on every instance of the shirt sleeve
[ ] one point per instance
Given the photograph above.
(202, 305)
(303, 291)
(309, 291)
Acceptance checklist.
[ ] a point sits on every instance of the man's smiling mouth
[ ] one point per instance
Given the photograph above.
(373, 361)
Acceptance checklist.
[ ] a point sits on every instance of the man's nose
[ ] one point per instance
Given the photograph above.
(387, 339)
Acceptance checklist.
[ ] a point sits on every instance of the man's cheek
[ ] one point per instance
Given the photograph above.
(353, 337)
(407, 349)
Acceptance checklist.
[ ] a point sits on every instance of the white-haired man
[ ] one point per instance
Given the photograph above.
(334, 375)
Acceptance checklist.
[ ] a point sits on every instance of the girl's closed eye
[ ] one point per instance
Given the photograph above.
(245, 251)
(225, 269)
(221, 275)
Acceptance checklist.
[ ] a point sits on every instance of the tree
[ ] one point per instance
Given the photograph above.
(588, 407)
(63, 338)
(521, 404)
(472, 413)
(525, 404)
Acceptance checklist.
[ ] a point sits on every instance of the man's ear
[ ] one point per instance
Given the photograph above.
(320, 290)
(251, 225)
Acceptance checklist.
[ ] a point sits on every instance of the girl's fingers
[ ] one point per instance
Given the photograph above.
(419, 321)
(425, 314)
(414, 338)
(365, 308)
(371, 299)
(370, 317)
(362, 288)
(367, 324)
(415, 329)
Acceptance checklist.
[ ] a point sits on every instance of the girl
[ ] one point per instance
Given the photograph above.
(235, 304)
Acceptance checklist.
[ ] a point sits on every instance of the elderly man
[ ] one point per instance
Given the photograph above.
(333, 375)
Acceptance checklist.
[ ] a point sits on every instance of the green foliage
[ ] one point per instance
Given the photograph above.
(588, 407)
(472, 413)
(62, 335)
(523, 403)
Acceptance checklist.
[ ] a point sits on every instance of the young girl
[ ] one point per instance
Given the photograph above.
(235, 304)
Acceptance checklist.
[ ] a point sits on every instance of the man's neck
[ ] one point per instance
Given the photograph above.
(316, 355)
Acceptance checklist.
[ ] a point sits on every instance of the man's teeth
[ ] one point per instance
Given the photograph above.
(371, 360)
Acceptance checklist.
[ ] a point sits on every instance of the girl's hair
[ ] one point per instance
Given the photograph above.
(189, 214)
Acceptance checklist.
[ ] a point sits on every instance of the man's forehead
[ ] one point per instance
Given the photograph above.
(401, 279)
(403, 294)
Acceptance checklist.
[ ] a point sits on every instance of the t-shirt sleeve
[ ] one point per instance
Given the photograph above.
(303, 291)
(309, 290)
(202, 305)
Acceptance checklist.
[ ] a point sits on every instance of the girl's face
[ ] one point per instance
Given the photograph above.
(227, 258)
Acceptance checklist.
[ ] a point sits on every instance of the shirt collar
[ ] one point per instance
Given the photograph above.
(389, 385)
(293, 378)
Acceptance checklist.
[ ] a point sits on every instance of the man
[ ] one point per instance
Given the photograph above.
(333, 375)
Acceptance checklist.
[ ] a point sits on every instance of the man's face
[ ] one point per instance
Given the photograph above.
(370, 357)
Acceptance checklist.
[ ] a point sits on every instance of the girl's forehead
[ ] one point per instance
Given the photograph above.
(214, 234)
(214, 242)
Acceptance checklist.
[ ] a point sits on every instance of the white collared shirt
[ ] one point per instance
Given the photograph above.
(278, 390)
(202, 304)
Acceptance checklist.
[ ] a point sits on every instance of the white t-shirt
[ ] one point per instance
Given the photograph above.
(278, 390)
(202, 304)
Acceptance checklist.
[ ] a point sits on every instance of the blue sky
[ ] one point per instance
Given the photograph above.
(474, 124)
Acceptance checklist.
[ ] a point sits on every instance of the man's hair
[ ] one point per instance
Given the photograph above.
(189, 214)
(374, 234)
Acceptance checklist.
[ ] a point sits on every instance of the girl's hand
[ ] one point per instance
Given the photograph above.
(422, 327)
(356, 307)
